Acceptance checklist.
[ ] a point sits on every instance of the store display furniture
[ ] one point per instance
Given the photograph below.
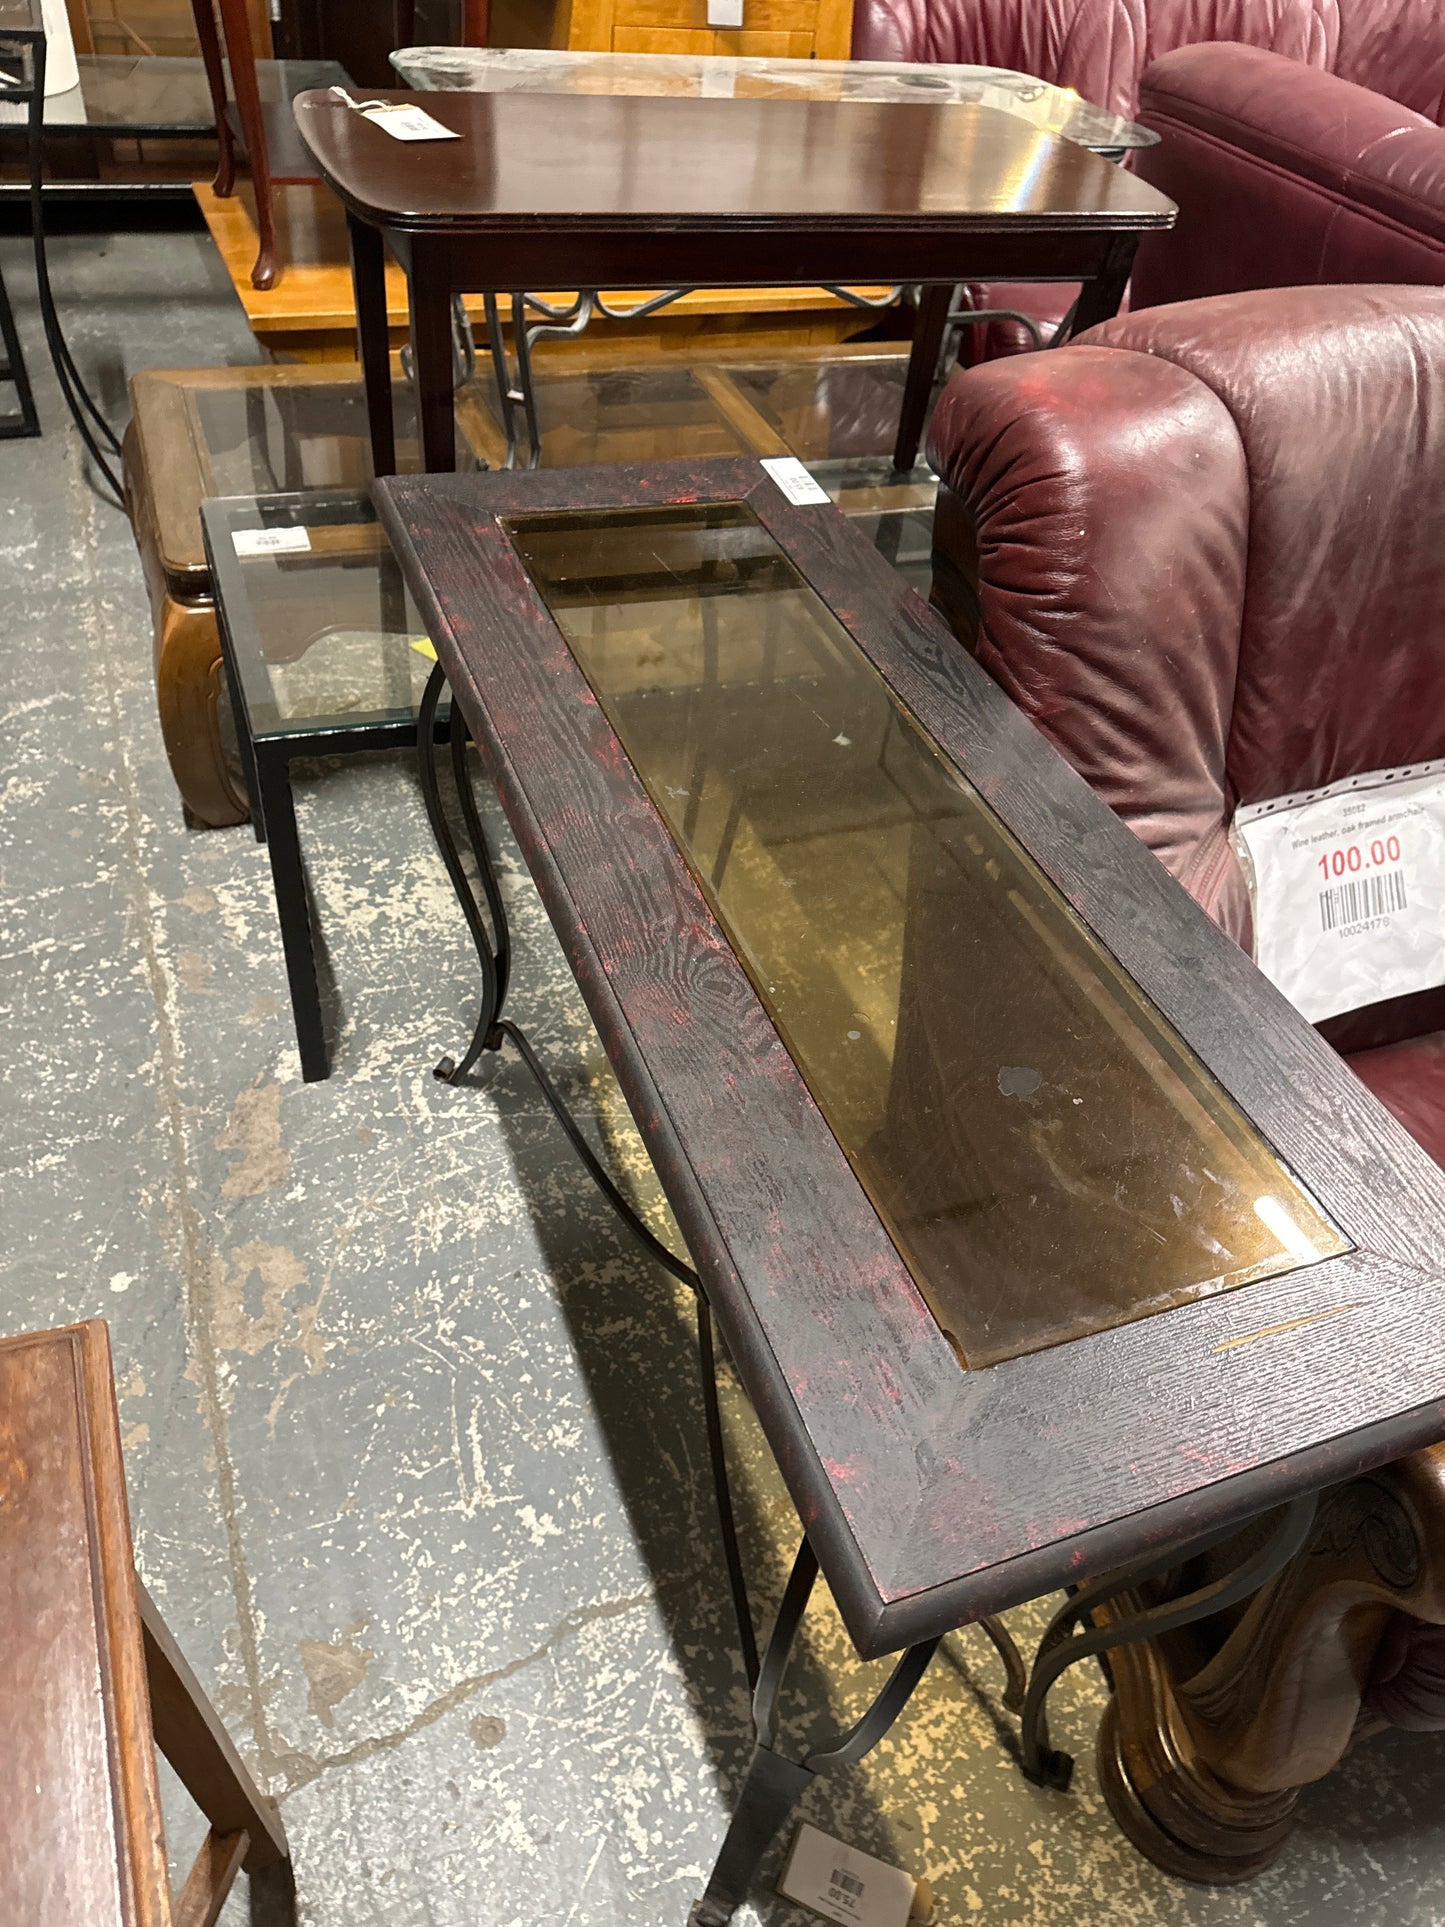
(546, 189)
(260, 125)
(545, 71)
(200, 432)
(1200, 549)
(1102, 48)
(125, 99)
(1286, 177)
(319, 642)
(91, 1681)
(932, 1059)
(203, 432)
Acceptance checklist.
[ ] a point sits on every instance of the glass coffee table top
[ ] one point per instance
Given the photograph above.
(322, 628)
(157, 95)
(1048, 1156)
(543, 70)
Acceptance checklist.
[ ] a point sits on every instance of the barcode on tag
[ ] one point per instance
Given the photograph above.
(1362, 900)
(846, 1885)
(1348, 886)
(409, 124)
(271, 541)
(794, 480)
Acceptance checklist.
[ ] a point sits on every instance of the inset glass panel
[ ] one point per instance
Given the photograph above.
(1047, 1154)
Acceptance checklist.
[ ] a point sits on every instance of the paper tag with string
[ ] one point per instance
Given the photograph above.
(399, 118)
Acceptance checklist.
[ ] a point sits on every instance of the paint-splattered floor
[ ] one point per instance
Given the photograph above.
(413, 1436)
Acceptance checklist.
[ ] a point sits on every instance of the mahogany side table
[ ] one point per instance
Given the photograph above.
(556, 191)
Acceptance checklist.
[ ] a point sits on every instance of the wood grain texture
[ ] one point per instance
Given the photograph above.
(527, 160)
(189, 1732)
(81, 1834)
(934, 1495)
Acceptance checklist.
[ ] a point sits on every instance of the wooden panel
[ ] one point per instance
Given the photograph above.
(677, 40)
(81, 1835)
(833, 30)
(690, 16)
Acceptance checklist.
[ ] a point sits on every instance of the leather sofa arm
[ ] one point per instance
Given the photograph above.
(1284, 177)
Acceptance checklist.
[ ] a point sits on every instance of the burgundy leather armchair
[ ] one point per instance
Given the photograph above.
(1201, 548)
(1298, 122)
(1287, 177)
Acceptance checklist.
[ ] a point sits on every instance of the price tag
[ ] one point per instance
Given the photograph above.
(271, 542)
(1349, 888)
(794, 480)
(845, 1885)
(409, 124)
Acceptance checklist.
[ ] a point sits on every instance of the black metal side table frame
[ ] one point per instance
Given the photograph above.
(776, 1779)
(266, 757)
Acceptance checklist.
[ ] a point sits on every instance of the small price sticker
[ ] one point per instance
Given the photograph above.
(271, 542)
(794, 480)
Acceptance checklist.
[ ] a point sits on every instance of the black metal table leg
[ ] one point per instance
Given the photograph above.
(1061, 1647)
(26, 422)
(775, 1782)
(288, 876)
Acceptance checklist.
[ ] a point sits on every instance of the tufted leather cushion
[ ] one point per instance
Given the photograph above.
(1201, 549)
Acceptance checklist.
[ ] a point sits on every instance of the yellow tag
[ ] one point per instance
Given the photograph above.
(422, 646)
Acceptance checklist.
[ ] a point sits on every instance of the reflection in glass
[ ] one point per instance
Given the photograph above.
(327, 636)
(1048, 1156)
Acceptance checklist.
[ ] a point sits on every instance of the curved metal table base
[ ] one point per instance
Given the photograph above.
(1060, 1648)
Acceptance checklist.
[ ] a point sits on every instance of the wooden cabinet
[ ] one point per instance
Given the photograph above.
(772, 29)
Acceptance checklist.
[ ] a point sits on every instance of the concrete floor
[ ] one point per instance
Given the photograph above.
(413, 1436)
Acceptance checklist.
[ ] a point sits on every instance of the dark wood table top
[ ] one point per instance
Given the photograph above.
(934, 1492)
(538, 160)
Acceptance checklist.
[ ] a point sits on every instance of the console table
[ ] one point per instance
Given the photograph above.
(1048, 1240)
(603, 191)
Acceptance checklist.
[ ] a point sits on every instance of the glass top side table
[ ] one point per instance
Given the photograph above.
(560, 71)
(158, 96)
(319, 635)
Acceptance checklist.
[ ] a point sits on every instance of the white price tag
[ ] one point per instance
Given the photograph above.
(724, 13)
(794, 480)
(844, 1884)
(409, 124)
(271, 541)
(1349, 888)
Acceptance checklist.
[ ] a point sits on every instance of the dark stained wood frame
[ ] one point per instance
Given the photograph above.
(934, 1495)
(91, 1674)
(406, 196)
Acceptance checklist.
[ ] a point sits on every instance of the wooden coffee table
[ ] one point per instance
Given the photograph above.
(558, 191)
(1047, 1239)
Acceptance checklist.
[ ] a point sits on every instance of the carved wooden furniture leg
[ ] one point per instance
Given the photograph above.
(236, 26)
(1212, 1731)
(91, 1680)
(209, 42)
